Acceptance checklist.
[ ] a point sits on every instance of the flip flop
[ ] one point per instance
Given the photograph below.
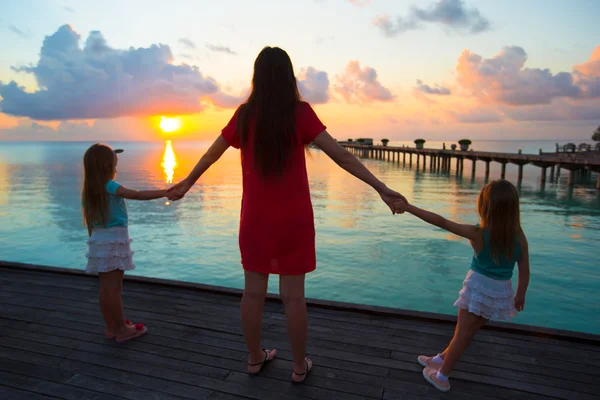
(269, 355)
(309, 366)
(140, 330)
(114, 335)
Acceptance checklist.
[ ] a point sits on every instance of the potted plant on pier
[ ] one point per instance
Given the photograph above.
(453, 146)
(596, 135)
(464, 144)
(349, 140)
(420, 143)
(360, 141)
(385, 142)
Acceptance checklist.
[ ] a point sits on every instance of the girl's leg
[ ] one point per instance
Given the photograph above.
(255, 291)
(466, 328)
(291, 288)
(111, 284)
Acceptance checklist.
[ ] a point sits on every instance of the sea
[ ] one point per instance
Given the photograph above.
(365, 254)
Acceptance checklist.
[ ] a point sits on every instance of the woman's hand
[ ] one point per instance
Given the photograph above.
(394, 200)
(177, 192)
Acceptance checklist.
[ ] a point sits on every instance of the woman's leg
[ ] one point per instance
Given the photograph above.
(255, 291)
(291, 288)
(466, 328)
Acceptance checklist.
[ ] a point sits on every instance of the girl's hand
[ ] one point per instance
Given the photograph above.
(178, 191)
(520, 302)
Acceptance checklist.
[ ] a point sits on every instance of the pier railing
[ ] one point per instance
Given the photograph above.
(579, 165)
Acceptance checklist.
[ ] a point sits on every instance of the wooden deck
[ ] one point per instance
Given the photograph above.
(52, 346)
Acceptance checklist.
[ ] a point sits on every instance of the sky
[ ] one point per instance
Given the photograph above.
(396, 69)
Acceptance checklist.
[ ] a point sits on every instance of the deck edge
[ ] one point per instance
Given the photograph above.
(528, 330)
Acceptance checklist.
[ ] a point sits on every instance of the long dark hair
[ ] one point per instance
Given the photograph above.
(498, 206)
(99, 167)
(272, 104)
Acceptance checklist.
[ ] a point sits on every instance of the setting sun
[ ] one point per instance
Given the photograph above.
(170, 124)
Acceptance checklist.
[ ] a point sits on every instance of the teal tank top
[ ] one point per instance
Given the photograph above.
(484, 264)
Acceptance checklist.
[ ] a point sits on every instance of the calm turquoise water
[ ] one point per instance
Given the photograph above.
(365, 255)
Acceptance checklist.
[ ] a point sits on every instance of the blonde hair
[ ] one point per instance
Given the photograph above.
(498, 206)
(99, 167)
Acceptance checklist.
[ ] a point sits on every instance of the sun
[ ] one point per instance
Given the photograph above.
(170, 124)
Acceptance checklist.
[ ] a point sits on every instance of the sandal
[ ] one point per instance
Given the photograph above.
(140, 330)
(269, 355)
(114, 335)
(303, 375)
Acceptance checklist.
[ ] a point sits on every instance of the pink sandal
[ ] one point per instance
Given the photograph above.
(140, 330)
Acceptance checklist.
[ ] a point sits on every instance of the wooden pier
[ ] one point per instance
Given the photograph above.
(579, 165)
(52, 346)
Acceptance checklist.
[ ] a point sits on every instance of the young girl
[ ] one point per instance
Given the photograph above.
(109, 255)
(498, 242)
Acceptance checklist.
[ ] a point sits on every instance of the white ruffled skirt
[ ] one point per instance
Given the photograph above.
(109, 249)
(489, 298)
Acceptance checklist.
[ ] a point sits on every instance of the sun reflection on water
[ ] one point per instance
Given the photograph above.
(169, 162)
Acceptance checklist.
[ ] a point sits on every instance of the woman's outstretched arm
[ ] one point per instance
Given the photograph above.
(211, 156)
(348, 162)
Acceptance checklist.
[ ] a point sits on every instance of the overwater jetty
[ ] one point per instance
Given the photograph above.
(52, 346)
(580, 165)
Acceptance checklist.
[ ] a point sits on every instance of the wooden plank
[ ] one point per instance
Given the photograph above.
(9, 393)
(311, 392)
(121, 390)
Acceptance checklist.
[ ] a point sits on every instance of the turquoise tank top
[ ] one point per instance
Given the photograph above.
(117, 215)
(484, 264)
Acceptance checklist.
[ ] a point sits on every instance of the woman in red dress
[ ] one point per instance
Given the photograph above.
(277, 231)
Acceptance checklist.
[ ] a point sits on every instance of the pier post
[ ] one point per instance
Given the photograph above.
(503, 174)
(552, 173)
(410, 160)
(558, 172)
(598, 181)
(487, 170)
(404, 158)
(543, 177)
(571, 180)
(473, 166)
(418, 160)
(520, 179)
(431, 163)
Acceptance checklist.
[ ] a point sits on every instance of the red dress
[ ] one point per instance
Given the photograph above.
(277, 228)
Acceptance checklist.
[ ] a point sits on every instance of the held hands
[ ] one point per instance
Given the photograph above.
(394, 200)
(177, 192)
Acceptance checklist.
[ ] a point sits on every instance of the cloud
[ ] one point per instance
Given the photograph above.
(361, 85)
(19, 32)
(98, 81)
(221, 49)
(504, 79)
(68, 9)
(313, 85)
(452, 14)
(587, 75)
(437, 90)
(187, 43)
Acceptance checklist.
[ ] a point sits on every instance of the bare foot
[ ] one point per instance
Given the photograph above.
(255, 366)
(131, 332)
(111, 333)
